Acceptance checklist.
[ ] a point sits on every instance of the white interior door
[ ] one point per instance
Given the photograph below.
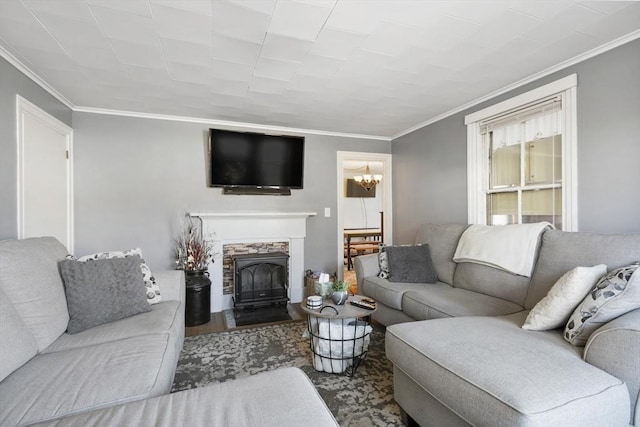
(45, 196)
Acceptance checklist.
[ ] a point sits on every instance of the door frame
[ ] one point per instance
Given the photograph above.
(25, 108)
(387, 196)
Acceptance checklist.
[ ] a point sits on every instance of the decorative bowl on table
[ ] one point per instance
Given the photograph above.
(314, 302)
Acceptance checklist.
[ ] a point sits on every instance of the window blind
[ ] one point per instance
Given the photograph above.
(519, 115)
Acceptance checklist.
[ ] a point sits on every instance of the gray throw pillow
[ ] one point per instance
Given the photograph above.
(410, 264)
(103, 291)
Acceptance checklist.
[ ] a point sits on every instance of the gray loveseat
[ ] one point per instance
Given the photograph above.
(118, 373)
(461, 357)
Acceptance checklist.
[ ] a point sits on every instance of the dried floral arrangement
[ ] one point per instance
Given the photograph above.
(193, 252)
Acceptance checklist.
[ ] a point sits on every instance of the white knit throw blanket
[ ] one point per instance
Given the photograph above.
(508, 247)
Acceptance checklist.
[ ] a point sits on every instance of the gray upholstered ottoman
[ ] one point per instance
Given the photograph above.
(284, 397)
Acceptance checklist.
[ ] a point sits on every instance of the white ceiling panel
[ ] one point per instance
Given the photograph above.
(233, 20)
(336, 43)
(266, 85)
(228, 70)
(319, 66)
(605, 7)
(196, 6)
(138, 54)
(157, 76)
(349, 66)
(229, 87)
(262, 6)
(285, 48)
(187, 52)
(68, 9)
(357, 16)
(299, 20)
(179, 88)
(67, 34)
(126, 27)
(93, 57)
(390, 39)
(235, 50)
(136, 7)
(182, 24)
(190, 73)
(275, 69)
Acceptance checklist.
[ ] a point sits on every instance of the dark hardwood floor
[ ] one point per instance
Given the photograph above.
(218, 324)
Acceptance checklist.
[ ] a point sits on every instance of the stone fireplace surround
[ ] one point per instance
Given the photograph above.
(249, 228)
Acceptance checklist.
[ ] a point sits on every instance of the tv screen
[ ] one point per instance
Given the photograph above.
(253, 160)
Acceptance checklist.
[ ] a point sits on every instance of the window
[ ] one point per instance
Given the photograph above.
(521, 158)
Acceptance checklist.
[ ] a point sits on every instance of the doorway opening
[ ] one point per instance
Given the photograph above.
(364, 216)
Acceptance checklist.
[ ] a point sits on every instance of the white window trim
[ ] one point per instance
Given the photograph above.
(477, 157)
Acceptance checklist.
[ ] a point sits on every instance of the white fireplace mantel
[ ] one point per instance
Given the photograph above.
(249, 227)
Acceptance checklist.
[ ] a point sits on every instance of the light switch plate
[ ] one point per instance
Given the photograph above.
(327, 212)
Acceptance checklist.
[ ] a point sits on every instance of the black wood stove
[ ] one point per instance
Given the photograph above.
(260, 279)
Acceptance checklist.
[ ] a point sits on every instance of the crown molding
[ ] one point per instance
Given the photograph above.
(11, 59)
(226, 123)
(558, 67)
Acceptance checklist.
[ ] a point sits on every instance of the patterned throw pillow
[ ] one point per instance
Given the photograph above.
(152, 289)
(615, 294)
(383, 262)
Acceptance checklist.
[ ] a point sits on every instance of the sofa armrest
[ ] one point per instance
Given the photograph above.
(365, 266)
(614, 348)
(171, 284)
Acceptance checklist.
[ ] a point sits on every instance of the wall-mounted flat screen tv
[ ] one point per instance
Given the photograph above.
(255, 160)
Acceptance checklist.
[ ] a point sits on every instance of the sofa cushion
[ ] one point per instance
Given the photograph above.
(554, 309)
(78, 380)
(29, 276)
(491, 372)
(102, 291)
(286, 398)
(615, 294)
(491, 281)
(17, 344)
(390, 293)
(410, 264)
(562, 250)
(433, 302)
(442, 241)
(164, 317)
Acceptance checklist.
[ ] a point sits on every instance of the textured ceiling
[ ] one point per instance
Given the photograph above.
(362, 67)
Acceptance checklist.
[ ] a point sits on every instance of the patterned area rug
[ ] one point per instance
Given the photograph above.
(366, 399)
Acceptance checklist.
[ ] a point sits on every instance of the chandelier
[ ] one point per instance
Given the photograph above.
(367, 180)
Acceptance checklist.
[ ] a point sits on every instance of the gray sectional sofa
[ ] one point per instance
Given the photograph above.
(118, 373)
(460, 354)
